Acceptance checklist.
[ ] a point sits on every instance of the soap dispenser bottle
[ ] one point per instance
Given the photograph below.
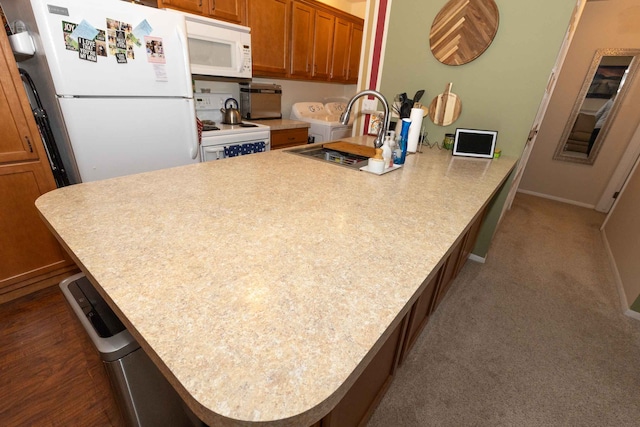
(400, 152)
(387, 154)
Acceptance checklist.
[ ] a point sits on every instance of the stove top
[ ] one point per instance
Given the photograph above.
(213, 129)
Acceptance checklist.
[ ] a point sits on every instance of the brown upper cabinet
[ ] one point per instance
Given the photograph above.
(301, 41)
(304, 39)
(270, 22)
(340, 52)
(226, 10)
(323, 44)
(355, 46)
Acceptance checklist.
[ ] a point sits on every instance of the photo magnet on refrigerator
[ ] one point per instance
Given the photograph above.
(87, 49)
(101, 43)
(67, 29)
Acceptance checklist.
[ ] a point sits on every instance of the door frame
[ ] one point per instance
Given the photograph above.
(542, 109)
(620, 175)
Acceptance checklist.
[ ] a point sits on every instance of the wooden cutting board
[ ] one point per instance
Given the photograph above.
(463, 30)
(445, 108)
(347, 147)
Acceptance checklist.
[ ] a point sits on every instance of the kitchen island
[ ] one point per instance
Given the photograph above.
(272, 288)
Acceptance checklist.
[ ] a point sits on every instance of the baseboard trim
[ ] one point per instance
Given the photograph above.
(632, 314)
(624, 303)
(476, 258)
(557, 199)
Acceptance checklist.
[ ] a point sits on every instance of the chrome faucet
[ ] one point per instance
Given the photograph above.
(344, 118)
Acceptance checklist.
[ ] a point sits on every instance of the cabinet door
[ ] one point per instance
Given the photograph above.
(449, 272)
(470, 240)
(270, 24)
(17, 137)
(340, 51)
(322, 44)
(361, 399)
(354, 53)
(228, 10)
(420, 313)
(194, 6)
(301, 40)
(28, 248)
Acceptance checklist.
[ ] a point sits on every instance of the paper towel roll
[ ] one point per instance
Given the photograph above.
(414, 129)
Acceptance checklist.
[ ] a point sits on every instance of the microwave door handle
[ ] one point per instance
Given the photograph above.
(241, 56)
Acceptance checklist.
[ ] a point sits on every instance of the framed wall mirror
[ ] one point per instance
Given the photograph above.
(596, 106)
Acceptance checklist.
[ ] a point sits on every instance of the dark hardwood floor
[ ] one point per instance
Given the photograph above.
(50, 373)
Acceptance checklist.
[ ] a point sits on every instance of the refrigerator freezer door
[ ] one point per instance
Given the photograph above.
(113, 137)
(163, 72)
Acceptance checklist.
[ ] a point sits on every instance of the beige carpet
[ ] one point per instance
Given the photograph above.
(534, 337)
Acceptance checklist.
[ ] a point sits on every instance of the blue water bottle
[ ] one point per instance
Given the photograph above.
(401, 150)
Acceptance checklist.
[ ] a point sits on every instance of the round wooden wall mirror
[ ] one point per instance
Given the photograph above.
(463, 30)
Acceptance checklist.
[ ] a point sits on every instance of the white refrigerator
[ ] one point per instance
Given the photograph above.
(117, 81)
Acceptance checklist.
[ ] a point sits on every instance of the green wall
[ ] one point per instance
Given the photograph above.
(500, 90)
(636, 305)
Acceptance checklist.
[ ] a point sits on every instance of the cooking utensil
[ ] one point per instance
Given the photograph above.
(418, 96)
(445, 108)
(405, 108)
(231, 114)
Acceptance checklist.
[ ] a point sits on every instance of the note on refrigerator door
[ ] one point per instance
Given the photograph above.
(142, 29)
(161, 72)
(155, 55)
(84, 30)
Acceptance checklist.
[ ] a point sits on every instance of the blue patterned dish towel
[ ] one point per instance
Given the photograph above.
(242, 149)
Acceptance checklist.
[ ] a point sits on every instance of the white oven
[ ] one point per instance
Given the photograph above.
(232, 141)
(219, 140)
(218, 48)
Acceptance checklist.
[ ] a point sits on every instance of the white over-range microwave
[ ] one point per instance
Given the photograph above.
(218, 48)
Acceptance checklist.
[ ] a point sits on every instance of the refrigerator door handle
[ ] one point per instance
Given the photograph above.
(182, 37)
(194, 148)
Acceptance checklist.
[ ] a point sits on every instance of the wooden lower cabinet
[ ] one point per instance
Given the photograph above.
(470, 240)
(358, 404)
(285, 138)
(448, 273)
(363, 397)
(420, 313)
(31, 257)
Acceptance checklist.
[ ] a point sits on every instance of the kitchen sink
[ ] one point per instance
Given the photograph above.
(318, 152)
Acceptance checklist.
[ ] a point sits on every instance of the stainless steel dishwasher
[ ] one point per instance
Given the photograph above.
(144, 395)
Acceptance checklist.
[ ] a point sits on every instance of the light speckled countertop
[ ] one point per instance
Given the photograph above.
(259, 284)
